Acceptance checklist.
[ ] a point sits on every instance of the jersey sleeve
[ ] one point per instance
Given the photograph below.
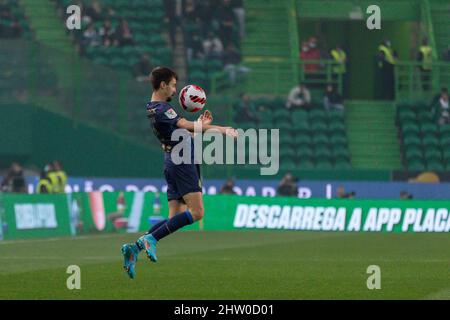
(167, 116)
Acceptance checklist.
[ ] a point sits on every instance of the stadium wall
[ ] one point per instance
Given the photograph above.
(30, 216)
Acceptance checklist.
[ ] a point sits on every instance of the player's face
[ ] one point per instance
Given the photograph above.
(171, 89)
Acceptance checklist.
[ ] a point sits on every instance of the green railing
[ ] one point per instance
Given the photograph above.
(278, 77)
(412, 84)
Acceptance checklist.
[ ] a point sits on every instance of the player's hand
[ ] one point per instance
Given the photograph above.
(229, 131)
(206, 117)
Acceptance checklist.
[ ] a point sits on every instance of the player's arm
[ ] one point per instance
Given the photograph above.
(190, 126)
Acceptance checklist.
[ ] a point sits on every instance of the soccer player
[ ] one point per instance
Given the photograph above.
(184, 189)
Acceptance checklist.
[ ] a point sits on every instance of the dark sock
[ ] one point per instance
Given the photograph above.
(176, 222)
(156, 226)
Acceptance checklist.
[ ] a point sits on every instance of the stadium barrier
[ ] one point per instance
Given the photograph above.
(31, 216)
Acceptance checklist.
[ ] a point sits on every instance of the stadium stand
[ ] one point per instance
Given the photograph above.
(13, 21)
(309, 139)
(144, 19)
(202, 23)
(425, 144)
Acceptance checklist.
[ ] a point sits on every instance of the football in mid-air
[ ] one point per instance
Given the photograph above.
(192, 98)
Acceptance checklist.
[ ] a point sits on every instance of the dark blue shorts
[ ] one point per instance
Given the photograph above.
(182, 179)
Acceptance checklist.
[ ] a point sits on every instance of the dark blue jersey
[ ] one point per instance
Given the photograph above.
(163, 119)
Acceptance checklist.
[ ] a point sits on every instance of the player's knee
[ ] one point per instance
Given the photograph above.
(198, 213)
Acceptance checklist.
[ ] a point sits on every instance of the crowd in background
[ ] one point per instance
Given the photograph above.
(52, 179)
(107, 35)
(9, 25)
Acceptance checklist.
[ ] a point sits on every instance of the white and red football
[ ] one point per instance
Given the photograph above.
(192, 98)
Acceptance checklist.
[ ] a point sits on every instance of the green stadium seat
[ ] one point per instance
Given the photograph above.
(430, 140)
(413, 153)
(435, 166)
(337, 126)
(285, 140)
(338, 139)
(341, 153)
(412, 140)
(319, 127)
(244, 125)
(433, 155)
(320, 139)
(281, 115)
(282, 125)
(335, 115)
(444, 130)
(300, 128)
(324, 165)
(305, 165)
(302, 140)
(407, 115)
(424, 117)
(288, 164)
(429, 128)
(410, 129)
(287, 153)
(300, 116)
(417, 165)
(323, 153)
(305, 152)
(447, 164)
(446, 154)
(342, 165)
(317, 115)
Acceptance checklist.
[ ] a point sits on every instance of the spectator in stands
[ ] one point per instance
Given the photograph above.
(172, 18)
(124, 36)
(446, 54)
(332, 99)
(205, 10)
(386, 59)
(190, 14)
(340, 69)
(44, 185)
(245, 110)
(227, 188)
(440, 107)
(14, 180)
(405, 195)
(299, 97)
(341, 194)
(212, 47)
(107, 32)
(91, 36)
(310, 51)
(95, 11)
(194, 46)
(110, 13)
(239, 12)
(61, 176)
(9, 25)
(425, 56)
(287, 186)
(225, 16)
(231, 62)
(143, 68)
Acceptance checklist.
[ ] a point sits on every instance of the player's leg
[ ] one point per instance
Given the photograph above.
(194, 201)
(176, 206)
(185, 181)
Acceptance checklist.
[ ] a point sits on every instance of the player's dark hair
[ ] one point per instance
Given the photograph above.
(160, 74)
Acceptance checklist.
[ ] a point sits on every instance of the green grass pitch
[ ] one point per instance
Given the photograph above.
(232, 265)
